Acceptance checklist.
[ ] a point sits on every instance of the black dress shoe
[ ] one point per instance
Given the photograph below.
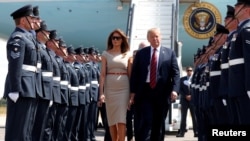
(180, 135)
(195, 134)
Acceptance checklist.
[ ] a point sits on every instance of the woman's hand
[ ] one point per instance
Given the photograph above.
(101, 100)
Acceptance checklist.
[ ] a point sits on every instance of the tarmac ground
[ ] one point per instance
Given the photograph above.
(169, 136)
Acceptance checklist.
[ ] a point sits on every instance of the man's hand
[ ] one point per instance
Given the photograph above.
(174, 95)
(14, 96)
(131, 100)
(188, 97)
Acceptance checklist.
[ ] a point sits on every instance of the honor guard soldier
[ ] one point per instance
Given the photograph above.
(52, 47)
(204, 97)
(196, 90)
(214, 75)
(78, 132)
(193, 90)
(239, 64)
(47, 81)
(210, 76)
(231, 24)
(37, 25)
(206, 118)
(209, 48)
(96, 60)
(73, 93)
(197, 58)
(37, 22)
(88, 73)
(94, 86)
(194, 79)
(222, 106)
(41, 109)
(20, 85)
(203, 116)
(62, 108)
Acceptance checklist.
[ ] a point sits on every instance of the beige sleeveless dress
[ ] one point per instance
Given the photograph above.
(116, 87)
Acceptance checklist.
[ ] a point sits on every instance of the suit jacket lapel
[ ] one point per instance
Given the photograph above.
(161, 57)
(160, 60)
(148, 56)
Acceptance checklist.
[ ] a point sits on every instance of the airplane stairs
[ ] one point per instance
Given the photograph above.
(147, 14)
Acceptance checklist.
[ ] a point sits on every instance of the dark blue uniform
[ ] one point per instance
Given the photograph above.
(239, 76)
(62, 108)
(77, 130)
(50, 121)
(38, 84)
(57, 99)
(233, 118)
(92, 112)
(21, 78)
(95, 84)
(83, 130)
(73, 101)
(204, 103)
(223, 91)
(46, 97)
(199, 94)
(214, 81)
(47, 73)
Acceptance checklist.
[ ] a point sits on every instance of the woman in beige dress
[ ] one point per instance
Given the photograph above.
(114, 83)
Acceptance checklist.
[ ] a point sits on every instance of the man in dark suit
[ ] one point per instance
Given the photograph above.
(154, 84)
(185, 101)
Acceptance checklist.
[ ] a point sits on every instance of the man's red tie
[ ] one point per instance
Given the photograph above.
(153, 65)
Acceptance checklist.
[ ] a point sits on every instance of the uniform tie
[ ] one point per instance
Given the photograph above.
(153, 65)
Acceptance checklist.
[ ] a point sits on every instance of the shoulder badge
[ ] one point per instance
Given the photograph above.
(18, 36)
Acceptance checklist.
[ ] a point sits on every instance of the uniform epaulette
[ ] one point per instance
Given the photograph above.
(17, 36)
(77, 66)
(87, 64)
